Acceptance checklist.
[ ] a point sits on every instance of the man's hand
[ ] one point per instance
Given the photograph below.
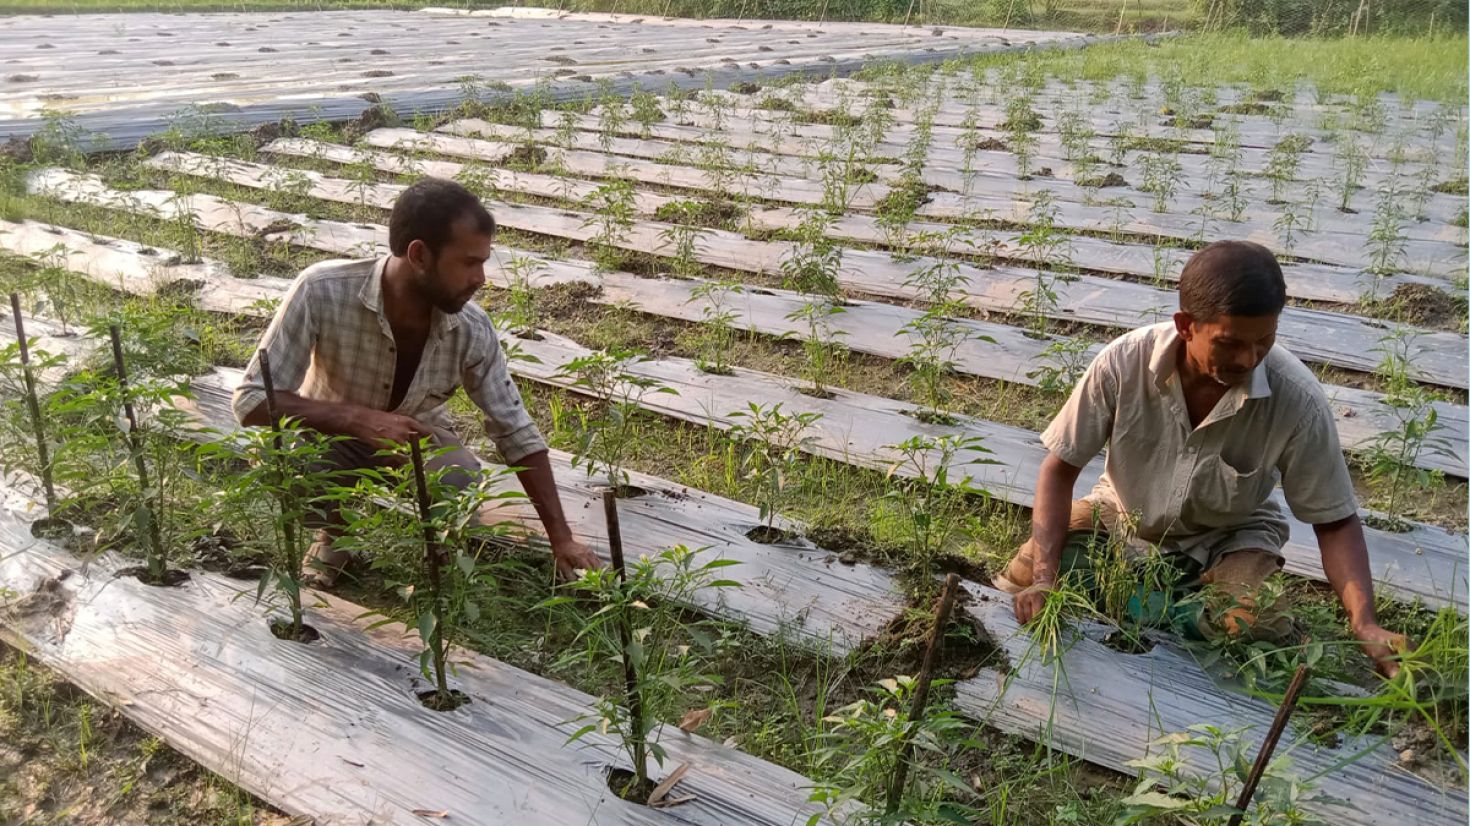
(384, 429)
(1030, 601)
(1383, 646)
(571, 556)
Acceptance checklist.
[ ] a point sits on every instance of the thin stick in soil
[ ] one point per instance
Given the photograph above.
(921, 691)
(1268, 747)
(433, 557)
(156, 567)
(288, 526)
(51, 525)
(625, 635)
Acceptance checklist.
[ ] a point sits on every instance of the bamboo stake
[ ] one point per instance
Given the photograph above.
(921, 691)
(432, 559)
(43, 450)
(288, 524)
(1283, 714)
(156, 567)
(625, 634)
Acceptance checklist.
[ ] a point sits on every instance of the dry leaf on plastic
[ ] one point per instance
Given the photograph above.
(658, 797)
(695, 718)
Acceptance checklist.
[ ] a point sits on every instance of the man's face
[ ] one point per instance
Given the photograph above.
(450, 279)
(1227, 348)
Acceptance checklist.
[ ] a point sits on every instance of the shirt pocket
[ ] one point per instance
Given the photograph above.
(1223, 495)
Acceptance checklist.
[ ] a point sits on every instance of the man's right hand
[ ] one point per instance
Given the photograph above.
(383, 429)
(1030, 601)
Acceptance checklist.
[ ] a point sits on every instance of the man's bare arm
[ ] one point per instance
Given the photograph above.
(540, 486)
(1345, 561)
(341, 419)
(1049, 518)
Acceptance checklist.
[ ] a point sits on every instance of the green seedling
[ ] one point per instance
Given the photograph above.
(771, 444)
(610, 433)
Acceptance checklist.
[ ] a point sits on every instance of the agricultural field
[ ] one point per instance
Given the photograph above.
(802, 337)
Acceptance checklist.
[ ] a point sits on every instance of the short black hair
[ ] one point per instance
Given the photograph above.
(1239, 278)
(427, 210)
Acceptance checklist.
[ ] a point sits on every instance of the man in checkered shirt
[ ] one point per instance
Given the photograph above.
(372, 349)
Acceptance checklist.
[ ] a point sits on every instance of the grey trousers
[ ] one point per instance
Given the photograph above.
(354, 454)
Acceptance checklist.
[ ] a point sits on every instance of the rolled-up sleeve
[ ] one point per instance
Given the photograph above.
(289, 342)
(1314, 474)
(488, 383)
(1084, 425)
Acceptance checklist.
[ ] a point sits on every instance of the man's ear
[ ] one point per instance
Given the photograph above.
(418, 254)
(1183, 324)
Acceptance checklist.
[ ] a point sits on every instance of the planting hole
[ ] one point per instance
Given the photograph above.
(281, 629)
(1128, 643)
(626, 491)
(624, 784)
(768, 535)
(434, 701)
(171, 577)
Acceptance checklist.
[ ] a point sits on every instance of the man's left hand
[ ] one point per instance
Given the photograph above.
(1383, 646)
(571, 556)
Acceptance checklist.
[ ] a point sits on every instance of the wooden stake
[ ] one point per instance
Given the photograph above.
(921, 691)
(1283, 714)
(288, 526)
(625, 635)
(432, 560)
(156, 567)
(43, 450)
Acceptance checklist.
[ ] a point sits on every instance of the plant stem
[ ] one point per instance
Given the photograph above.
(288, 523)
(625, 633)
(432, 560)
(156, 567)
(1283, 714)
(921, 691)
(43, 451)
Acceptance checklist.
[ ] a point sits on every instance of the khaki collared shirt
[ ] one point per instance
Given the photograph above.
(330, 341)
(1204, 491)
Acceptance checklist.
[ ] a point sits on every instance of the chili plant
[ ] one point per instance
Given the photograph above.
(286, 465)
(772, 442)
(932, 500)
(1392, 457)
(609, 433)
(123, 454)
(429, 544)
(819, 345)
(1168, 787)
(862, 749)
(814, 263)
(683, 234)
(521, 313)
(665, 655)
(717, 333)
(1063, 363)
(612, 222)
(1045, 246)
(935, 335)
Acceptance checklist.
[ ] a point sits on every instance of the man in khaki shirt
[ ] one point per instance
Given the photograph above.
(372, 349)
(1202, 416)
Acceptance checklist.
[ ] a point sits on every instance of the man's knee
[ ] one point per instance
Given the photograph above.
(1242, 573)
(1238, 608)
(459, 465)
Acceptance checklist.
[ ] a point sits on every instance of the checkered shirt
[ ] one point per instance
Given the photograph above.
(330, 341)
